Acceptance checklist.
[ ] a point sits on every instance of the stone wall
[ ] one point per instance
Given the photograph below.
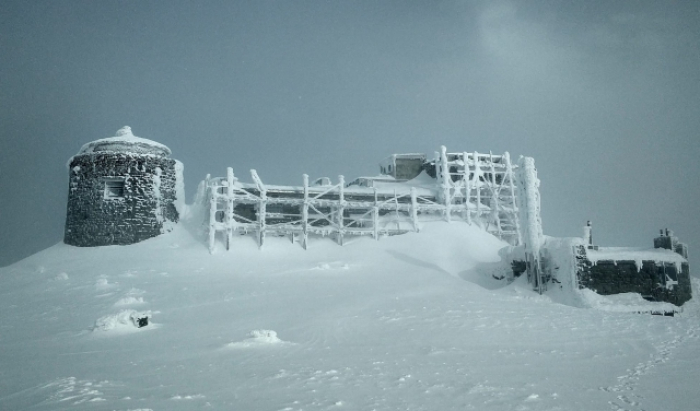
(138, 214)
(408, 168)
(614, 277)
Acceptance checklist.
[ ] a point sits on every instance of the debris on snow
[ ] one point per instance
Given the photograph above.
(122, 321)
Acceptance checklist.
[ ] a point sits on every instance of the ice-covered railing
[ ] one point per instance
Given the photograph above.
(298, 212)
(486, 185)
(482, 189)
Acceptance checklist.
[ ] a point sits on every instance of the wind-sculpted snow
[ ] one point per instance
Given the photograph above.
(257, 338)
(417, 322)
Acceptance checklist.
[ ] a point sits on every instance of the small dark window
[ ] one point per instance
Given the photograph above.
(114, 188)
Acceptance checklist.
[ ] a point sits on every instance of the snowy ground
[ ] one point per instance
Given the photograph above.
(406, 323)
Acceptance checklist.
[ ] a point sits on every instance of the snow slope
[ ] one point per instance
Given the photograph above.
(412, 322)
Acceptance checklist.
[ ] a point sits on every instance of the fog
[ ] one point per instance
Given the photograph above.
(604, 95)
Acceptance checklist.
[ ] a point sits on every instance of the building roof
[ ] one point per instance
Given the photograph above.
(635, 254)
(125, 142)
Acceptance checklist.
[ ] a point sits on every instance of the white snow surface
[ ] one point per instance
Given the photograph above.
(124, 140)
(635, 254)
(411, 322)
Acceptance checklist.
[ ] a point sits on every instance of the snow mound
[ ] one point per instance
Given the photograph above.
(124, 320)
(625, 303)
(335, 265)
(103, 284)
(61, 277)
(258, 338)
(187, 397)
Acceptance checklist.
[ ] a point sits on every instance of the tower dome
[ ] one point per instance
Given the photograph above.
(122, 190)
(126, 142)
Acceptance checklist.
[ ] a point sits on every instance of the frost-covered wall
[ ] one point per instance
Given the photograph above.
(119, 195)
(654, 280)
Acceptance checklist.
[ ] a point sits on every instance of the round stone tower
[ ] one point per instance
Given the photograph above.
(122, 190)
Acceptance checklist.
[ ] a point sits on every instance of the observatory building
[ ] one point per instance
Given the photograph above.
(126, 189)
(122, 190)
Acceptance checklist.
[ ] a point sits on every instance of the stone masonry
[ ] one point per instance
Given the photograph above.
(141, 201)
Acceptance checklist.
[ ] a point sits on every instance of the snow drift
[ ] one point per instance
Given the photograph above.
(416, 321)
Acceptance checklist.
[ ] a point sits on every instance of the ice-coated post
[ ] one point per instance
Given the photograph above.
(396, 205)
(509, 173)
(477, 183)
(229, 207)
(212, 219)
(530, 211)
(375, 217)
(414, 209)
(465, 159)
(305, 213)
(495, 204)
(445, 184)
(262, 207)
(341, 208)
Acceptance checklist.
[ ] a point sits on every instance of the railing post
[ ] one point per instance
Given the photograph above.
(414, 209)
(530, 216)
(396, 205)
(495, 204)
(262, 207)
(514, 212)
(467, 189)
(375, 217)
(305, 214)
(212, 218)
(229, 208)
(341, 208)
(477, 185)
(446, 184)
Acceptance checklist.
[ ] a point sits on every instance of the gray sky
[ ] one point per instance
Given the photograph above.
(604, 95)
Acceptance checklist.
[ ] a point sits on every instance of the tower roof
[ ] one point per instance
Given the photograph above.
(125, 142)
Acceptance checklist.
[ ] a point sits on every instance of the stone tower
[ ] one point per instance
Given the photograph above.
(122, 190)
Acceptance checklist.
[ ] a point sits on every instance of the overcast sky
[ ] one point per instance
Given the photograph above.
(604, 95)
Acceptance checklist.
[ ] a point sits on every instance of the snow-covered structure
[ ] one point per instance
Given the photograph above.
(658, 274)
(576, 266)
(403, 166)
(475, 188)
(125, 189)
(122, 190)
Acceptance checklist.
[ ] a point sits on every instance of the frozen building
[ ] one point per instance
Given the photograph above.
(126, 189)
(122, 190)
(657, 274)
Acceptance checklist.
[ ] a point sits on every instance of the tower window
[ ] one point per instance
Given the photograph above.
(114, 188)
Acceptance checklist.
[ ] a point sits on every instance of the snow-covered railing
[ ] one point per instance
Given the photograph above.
(301, 211)
(483, 189)
(484, 182)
